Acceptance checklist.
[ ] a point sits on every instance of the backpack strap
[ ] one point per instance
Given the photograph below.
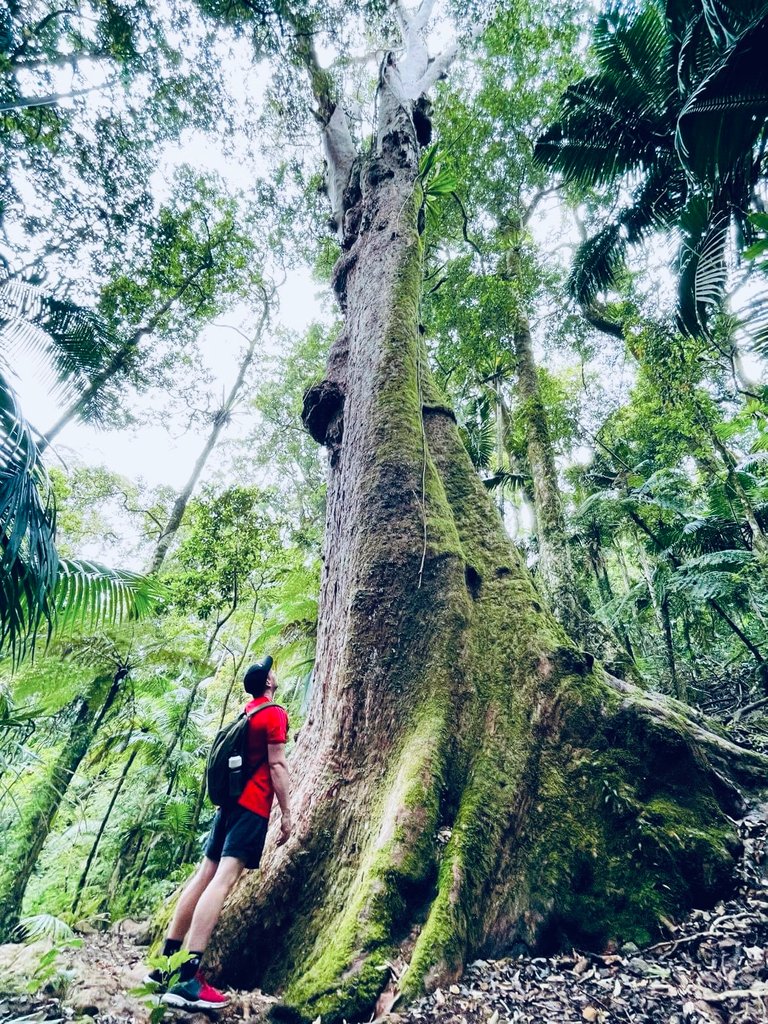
(269, 704)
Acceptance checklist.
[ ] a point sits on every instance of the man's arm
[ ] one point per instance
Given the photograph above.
(281, 781)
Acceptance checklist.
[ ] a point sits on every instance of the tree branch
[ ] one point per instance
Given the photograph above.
(52, 99)
(36, 29)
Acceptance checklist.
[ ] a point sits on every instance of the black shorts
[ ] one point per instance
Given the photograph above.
(237, 832)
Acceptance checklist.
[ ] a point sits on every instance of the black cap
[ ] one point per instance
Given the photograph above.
(256, 675)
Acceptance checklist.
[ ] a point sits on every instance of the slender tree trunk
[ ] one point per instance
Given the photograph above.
(555, 565)
(447, 699)
(556, 571)
(220, 421)
(104, 821)
(758, 535)
(38, 820)
(604, 588)
(658, 614)
(678, 684)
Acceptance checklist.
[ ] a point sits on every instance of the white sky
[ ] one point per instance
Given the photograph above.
(159, 451)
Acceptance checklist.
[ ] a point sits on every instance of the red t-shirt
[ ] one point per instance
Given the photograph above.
(270, 726)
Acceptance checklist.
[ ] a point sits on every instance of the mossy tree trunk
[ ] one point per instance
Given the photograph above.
(38, 817)
(556, 573)
(466, 779)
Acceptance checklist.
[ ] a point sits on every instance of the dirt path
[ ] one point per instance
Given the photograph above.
(93, 984)
(712, 969)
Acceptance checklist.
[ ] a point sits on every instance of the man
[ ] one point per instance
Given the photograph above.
(235, 843)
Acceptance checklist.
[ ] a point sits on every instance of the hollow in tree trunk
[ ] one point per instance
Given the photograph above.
(466, 779)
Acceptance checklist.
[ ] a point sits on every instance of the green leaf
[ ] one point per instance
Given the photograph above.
(444, 183)
(46, 926)
(428, 159)
(29, 562)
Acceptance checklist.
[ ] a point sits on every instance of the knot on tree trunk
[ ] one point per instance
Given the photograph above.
(353, 208)
(340, 276)
(323, 414)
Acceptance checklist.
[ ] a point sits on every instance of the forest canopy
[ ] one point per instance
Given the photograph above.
(424, 350)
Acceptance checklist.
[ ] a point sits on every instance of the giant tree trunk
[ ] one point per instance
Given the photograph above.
(465, 778)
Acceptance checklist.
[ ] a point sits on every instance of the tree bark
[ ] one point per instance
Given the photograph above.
(465, 778)
(37, 821)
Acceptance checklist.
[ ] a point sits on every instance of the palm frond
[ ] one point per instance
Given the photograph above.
(504, 479)
(703, 267)
(29, 562)
(43, 926)
(177, 816)
(715, 575)
(724, 117)
(479, 437)
(87, 593)
(617, 120)
(633, 50)
(74, 343)
(753, 323)
(597, 263)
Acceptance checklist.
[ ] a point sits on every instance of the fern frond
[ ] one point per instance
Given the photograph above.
(43, 926)
(87, 593)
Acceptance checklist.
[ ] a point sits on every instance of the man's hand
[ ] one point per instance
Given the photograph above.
(285, 829)
(278, 769)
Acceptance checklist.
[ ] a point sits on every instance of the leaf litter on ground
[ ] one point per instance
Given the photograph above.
(712, 968)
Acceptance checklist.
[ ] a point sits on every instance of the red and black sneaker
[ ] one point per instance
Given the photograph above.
(195, 994)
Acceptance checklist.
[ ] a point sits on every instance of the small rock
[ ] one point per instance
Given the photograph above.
(629, 949)
(139, 931)
(84, 928)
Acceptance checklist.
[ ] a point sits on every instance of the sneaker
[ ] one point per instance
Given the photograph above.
(195, 994)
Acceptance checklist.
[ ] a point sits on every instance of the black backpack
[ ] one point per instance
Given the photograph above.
(225, 783)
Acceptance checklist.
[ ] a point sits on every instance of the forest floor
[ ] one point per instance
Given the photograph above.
(712, 969)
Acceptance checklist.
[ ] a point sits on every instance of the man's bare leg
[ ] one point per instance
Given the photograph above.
(209, 904)
(185, 908)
